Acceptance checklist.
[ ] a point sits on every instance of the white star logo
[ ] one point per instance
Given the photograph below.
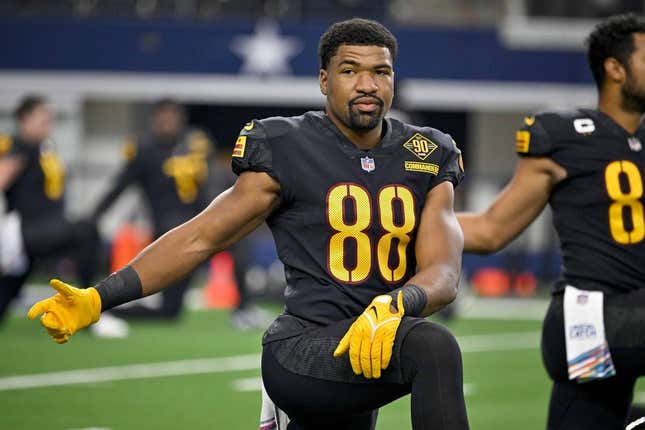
(266, 52)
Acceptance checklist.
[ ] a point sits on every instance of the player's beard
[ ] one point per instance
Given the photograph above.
(633, 95)
(364, 121)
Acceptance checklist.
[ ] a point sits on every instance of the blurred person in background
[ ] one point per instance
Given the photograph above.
(32, 179)
(346, 193)
(175, 167)
(589, 165)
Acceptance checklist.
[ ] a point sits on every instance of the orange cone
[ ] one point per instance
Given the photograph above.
(525, 284)
(128, 241)
(490, 282)
(221, 289)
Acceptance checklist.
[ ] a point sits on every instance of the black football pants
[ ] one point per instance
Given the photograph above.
(602, 404)
(432, 369)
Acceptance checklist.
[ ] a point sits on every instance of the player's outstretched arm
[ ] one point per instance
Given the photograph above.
(516, 206)
(231, 216)
(9, 169)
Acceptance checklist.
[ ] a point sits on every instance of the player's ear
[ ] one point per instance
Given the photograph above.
(322, 78)
(615, 72)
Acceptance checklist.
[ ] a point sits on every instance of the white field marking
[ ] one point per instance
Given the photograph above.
(473, 343)
(93, 428)
(255, 384)
(503, 308)
(247, 384)
(132, 371)
(500, 341)
(469, 389)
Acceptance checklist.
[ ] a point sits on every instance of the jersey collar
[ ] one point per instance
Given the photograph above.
(330, 129)
(603, 117)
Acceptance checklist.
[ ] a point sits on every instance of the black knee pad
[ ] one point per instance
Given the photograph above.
(427, 336)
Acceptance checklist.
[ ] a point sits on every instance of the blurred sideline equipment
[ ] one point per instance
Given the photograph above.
(588, 165)
(128, 241)
(13, 257)
(221, 290)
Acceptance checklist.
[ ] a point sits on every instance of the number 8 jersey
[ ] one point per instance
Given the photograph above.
(598, 207)
(347, 222)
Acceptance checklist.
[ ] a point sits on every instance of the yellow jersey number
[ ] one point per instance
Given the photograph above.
(629, 200)
(348, 193)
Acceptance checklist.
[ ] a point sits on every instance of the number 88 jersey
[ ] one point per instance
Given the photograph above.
(598, 208)
(347, 222)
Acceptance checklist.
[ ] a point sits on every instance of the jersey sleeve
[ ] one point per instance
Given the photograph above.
(452, 164)
(252, 151)
(533, 138)
(128, 174)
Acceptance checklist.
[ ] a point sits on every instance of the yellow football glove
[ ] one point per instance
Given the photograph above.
(68, 311)
(371, 337)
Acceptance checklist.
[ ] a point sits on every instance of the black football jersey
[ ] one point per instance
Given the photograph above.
(598, 208)
(171, 173)
(37, 191)
(346, 225)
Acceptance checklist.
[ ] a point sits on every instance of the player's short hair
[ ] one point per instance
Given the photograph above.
(612, 38)
(27, 105)
(355, 31)
(167, 103)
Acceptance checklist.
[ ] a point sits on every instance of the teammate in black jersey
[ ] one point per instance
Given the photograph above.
(589, 165)
(361, 209)
(32, 179)
(174, 166)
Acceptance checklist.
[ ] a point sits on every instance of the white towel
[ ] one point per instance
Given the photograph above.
(588, 355)
(271, 418)
(13, 258)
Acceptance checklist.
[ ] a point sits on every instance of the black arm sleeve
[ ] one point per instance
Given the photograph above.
(128, 174)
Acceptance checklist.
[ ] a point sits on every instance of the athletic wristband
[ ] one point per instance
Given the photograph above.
(414, 299)
(120, 287)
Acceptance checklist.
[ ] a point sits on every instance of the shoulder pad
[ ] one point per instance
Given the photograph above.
(278, 125)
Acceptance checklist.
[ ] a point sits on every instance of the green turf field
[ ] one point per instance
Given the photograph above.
(505, 383)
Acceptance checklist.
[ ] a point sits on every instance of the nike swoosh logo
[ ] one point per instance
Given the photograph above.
(373, 308)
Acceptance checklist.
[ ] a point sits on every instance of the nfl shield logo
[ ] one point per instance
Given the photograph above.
(634, 143)
(367, 164)
(582, 299)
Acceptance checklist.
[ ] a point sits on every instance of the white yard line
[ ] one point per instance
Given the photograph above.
(247, 384)
(500, 341)
(132, 371)
(473, 343)
(503, 308)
